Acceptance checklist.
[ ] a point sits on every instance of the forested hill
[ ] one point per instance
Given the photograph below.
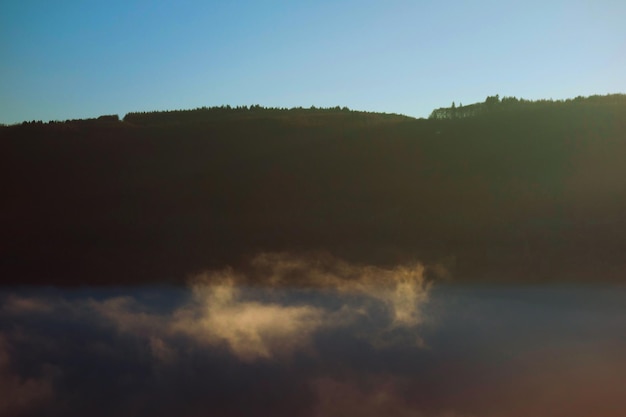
(495, 107)
(204, 116)
(532, 194)
(297, 116)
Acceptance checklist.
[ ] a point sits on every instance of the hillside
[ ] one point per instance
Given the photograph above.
(500, 191)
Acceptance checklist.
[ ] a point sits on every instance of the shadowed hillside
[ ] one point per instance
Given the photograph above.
(506, 190)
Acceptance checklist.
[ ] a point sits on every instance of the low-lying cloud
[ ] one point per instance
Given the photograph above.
(301, 336)
(403, 289)
(252, 329)
(251, 313)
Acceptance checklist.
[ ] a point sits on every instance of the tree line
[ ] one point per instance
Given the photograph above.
(495, 104)
(207, 114)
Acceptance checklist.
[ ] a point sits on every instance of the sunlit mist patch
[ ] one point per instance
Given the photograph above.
(250, 313)
(252, 329)
(402, 289)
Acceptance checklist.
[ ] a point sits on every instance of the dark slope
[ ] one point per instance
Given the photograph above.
(530, 194)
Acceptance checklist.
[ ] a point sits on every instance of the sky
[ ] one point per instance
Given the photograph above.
(78, 59)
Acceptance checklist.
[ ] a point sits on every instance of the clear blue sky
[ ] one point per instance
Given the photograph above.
(75, 59)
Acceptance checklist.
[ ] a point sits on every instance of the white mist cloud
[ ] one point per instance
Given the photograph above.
(222, 313)
(251, 329)
(403, 289)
